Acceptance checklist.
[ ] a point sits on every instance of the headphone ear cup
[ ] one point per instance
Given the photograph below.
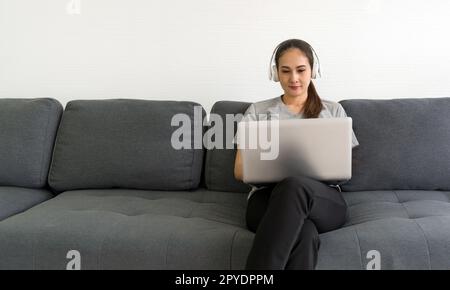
(314, 71)
(274, 73)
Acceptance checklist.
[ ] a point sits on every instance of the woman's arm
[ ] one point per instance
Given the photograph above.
(238, 166)
(249, 115)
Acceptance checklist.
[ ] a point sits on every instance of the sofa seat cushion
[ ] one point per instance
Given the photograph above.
(14, 200)
(410, 230)
(130, 229)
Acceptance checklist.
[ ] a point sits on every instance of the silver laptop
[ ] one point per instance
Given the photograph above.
(319, 148)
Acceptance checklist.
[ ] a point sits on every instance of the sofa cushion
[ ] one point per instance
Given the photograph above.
(409, 229)
(219, 165)
(130, 229)
(404, 144)
(125, 144)
(14, 200)
(27, 135)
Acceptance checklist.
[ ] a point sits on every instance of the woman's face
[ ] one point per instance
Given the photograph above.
(294, 73)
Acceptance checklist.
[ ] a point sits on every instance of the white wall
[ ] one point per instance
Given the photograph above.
(210, 50)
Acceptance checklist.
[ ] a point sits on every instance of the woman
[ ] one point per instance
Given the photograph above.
(289, 215)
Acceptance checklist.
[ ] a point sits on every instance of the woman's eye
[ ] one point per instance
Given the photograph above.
(300, 71)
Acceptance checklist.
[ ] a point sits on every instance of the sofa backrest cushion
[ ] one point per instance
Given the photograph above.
(123, 143)
(27, 135)
(219, 164)
(404, 144)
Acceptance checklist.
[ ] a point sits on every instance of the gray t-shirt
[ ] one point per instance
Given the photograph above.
(275, 108)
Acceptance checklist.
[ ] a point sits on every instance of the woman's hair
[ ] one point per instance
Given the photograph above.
(313, 105)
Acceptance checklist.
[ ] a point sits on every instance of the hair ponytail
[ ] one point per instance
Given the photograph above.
(313, 105)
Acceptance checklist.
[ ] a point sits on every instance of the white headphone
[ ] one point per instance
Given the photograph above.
(273, 72)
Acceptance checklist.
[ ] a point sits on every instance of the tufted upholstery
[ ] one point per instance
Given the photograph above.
(130, 229)
(410, 229)
(140, 229)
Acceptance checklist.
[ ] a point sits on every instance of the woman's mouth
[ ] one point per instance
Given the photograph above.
(294, 87)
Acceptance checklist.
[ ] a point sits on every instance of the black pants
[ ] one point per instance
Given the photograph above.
(287, 218)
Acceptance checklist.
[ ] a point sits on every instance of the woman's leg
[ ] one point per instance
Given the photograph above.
(292, 201)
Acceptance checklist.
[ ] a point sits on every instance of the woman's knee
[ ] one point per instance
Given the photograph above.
(297, 181)
(293, 185)
(292, 189)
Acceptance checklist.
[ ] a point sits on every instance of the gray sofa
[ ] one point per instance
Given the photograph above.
(118, 192)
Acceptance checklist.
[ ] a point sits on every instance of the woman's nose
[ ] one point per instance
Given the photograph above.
(293, 77)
